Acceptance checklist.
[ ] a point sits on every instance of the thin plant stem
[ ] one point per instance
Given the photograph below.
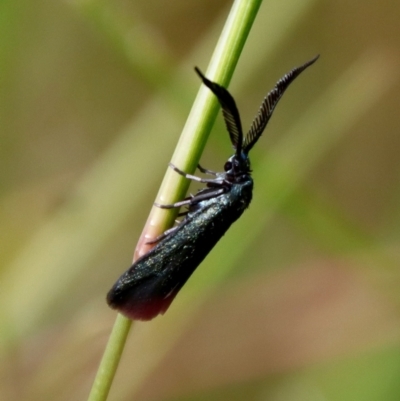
(186, 156)
(111, 357)
(201, 119)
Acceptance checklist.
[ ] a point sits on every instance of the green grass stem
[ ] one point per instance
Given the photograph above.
(186, 156)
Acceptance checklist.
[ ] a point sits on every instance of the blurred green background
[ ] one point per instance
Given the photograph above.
(300, 300)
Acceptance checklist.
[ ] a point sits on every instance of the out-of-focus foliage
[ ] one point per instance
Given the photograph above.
(299, 301)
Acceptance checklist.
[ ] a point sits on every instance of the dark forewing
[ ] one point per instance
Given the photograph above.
(149, 286)
(229, 111)
(152, 282)
(148, 296)
(268, 105)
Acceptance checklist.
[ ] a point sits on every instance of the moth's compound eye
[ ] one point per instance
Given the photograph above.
(228, 166)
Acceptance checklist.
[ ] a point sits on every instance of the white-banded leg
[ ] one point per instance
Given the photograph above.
(206, 171)
(193, 177)
(186, 201)
(209, 194)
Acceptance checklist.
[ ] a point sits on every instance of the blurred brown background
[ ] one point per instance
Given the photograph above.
(300, 300)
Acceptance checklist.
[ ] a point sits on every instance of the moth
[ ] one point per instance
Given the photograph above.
(149, 286)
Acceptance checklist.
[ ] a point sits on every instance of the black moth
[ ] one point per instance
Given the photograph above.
(149, 286)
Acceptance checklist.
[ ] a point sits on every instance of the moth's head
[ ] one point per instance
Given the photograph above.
(237, 166)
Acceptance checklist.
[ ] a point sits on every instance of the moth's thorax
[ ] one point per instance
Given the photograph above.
(243, 189)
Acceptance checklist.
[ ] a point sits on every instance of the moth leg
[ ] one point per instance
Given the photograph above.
(210, 193)
(163, 235)
(207, 195)
(195, 198)
(193, 177)
(186, 201)
(206, 171)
